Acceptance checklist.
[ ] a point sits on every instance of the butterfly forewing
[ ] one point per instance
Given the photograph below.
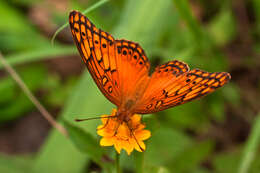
(97, 50)
(118, 67)
(133, 67)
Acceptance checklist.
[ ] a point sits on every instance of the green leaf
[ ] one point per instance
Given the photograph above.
(164, 145)
(14, 164)
(226, 162)
(223, 28)
(20, 104)
(86, 102)
(85, 142)
(145, 25)
(185, 116)
(58, 154)
(16, 30)
(191, 157)
(39, 54)
(186, 14)
(7, 90)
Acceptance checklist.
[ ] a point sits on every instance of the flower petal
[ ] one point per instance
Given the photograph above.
(123, 135)
(107, 141)
(127, 147)
(118, 147)
(143, 135)
(141, 144)
(135, 119)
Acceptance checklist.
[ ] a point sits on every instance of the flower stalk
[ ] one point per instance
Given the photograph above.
(117, 162)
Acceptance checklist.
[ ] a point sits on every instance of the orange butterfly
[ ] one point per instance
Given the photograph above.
(120, 69)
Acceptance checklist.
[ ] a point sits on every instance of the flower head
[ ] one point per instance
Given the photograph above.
(122, 135)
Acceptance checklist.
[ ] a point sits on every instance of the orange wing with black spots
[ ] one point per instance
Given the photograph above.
(173, 84)
(115, 65)
(120, 69)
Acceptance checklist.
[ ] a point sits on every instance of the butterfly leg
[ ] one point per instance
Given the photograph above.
(117, 127)
(131, 132)
(108, 118)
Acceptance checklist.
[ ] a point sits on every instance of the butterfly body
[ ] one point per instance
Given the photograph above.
(120, 69)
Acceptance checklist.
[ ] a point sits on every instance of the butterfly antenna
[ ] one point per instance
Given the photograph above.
(115, 116)
(93, 118)
(131, 132)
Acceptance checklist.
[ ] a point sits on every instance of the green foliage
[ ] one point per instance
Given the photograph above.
(15, 164)
(181, 140)
(85, 142)
(14, 103)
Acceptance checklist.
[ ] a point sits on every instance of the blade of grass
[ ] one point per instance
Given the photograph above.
(251, 147)
(34, 100)
(185, 12)
(93, 7)
(37, 55)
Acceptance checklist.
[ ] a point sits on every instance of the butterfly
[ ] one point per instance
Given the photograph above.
(120, 68)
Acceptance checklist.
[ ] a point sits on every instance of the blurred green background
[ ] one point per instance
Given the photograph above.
(217, 134)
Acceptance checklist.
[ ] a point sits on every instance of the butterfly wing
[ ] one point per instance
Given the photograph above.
(117, 66)
(173, 84)
(133, 68)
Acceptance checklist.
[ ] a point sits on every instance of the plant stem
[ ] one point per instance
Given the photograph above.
(117, 163)
(139, 162)
(33, 99)
(93, 7)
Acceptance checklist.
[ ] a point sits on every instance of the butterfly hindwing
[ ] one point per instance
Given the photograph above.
(173, 84)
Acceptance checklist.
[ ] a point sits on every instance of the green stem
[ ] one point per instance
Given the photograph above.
(139, 162)
(118, 163)
(251, 147)
(93, 7)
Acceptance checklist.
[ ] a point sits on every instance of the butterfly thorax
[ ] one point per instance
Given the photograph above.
(125, 112)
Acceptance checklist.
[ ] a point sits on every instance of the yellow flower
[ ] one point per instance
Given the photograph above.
(117, 133)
